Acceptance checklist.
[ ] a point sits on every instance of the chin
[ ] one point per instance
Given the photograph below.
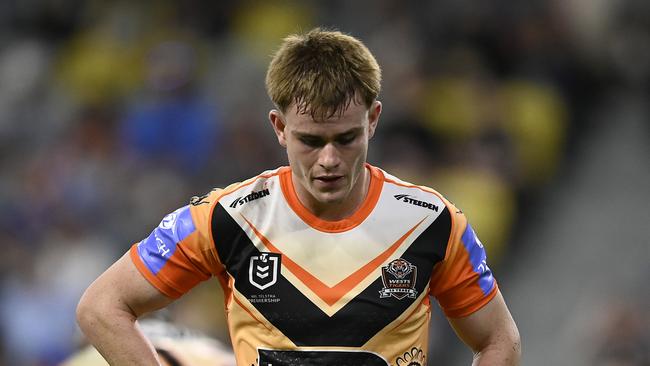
(330, 197)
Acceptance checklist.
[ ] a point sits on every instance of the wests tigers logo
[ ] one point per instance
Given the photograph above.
(399, 278)
(399, 268)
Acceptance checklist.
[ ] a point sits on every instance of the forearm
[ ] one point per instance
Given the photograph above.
(116, 334)
(108, 310)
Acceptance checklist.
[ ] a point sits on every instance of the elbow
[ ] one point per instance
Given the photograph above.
(100, 309)
(87, 313)
(514, 345)
(517, 347)
(94, 310)
(503, 349)
(509, 342)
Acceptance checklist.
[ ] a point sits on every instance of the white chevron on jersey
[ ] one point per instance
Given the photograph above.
(331, 268)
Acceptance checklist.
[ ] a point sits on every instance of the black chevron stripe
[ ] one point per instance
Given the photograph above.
(301, 320)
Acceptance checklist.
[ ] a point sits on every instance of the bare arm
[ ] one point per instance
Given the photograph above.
(491, 333)
(108, 310)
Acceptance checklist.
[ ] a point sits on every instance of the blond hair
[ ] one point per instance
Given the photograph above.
(322, 72)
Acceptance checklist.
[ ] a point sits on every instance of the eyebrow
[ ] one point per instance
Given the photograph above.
(351, 131)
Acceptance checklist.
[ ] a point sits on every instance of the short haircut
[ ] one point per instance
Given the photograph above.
(322, 72)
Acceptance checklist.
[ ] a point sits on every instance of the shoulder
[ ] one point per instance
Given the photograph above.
(235, 193)
(450, 218)
(252, 188)
(415, 194)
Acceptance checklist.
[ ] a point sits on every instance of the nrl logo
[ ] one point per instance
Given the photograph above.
(399, 278)
(263, 270)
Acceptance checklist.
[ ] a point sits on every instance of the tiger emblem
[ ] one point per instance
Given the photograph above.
(399, 278)
(399, 268)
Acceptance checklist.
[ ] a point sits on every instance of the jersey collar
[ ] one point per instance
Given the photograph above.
(366, 207)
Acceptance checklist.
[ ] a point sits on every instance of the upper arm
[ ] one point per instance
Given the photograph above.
(468, 293)
(123, 287)
(175, 257)
(463, 282)
(488, 326)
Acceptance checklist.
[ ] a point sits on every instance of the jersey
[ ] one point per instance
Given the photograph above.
(303, 291)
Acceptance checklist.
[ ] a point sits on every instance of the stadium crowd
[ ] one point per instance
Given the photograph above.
(113, 113)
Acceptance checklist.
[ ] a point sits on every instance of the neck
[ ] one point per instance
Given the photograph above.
(335, 211)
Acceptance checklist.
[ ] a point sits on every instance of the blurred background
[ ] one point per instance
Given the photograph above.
(533, 117)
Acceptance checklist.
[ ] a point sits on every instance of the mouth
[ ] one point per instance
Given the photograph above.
(328, 180)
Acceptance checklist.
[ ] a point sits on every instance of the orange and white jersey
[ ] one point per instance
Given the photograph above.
(304, 291)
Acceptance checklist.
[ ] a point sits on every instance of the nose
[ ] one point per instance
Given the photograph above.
(328, 157)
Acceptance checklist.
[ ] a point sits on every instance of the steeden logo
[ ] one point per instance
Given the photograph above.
(409, 199)
(250, 197)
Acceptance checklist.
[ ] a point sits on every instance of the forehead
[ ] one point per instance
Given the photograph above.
(356, 115)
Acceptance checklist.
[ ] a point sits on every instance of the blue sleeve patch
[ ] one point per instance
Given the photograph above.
(158, 247)
(478, 259)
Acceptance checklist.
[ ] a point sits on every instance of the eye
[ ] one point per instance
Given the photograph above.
(346, 139)
(312, 141)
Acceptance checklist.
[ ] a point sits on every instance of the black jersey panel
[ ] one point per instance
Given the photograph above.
(297, 317)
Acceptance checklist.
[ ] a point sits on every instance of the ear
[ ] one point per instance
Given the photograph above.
(373, 117)
(275, 117)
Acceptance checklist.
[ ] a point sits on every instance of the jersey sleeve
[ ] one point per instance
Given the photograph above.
(179, 253)
(463, 283)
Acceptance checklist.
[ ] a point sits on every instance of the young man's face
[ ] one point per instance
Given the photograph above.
(327, 157)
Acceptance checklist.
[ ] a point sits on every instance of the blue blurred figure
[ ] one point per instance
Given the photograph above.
(171, 124)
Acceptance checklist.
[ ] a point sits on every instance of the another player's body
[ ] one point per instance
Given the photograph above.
(329, 261)
(175, 346)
